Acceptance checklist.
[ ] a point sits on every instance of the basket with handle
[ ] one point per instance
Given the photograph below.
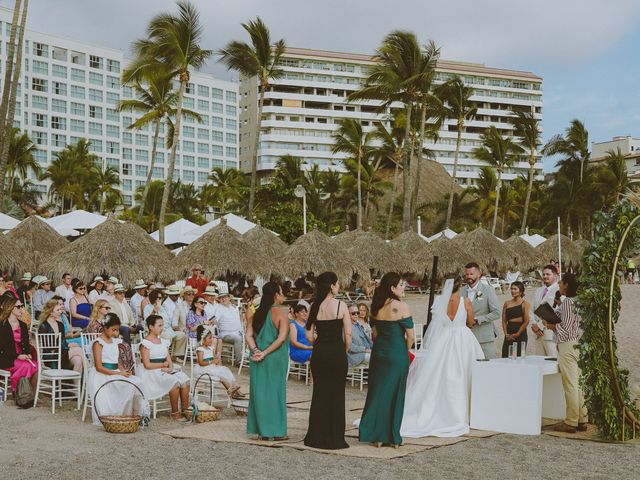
(202, 416)
(118, 423)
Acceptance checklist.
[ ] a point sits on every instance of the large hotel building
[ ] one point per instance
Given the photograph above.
(302, 108)
(68, 91)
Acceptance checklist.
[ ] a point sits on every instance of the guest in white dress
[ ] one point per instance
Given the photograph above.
(118, 398)
(208, 361)
(439, 382)
(156, 369)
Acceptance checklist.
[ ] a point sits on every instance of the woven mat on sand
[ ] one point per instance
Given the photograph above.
(591, 434)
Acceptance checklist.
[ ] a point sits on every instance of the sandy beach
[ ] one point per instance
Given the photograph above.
(36, 444)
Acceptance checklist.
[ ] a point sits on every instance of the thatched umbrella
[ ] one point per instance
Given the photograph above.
(222, 252)
(343, 238)
(316, 253)
(417, 249)
(582, 244)
(451, 258)
(115, 248)
(527, 257)
(485, 249)
(11, 257)
(36, 241)
(265, 241)
(571, 254)
(378, 255)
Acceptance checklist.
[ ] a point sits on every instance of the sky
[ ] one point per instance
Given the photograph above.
(583, 49)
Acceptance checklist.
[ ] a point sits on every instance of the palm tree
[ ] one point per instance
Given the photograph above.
(455, 103)
(463, 210)
(260, 59)
(226, 190)
(527, 128)
(400, 73)
(500, 152)
(288, 172)
(21, 159)
(351, 139)
(574, 147)
(105, 184)
(611, 179)
(173, 42)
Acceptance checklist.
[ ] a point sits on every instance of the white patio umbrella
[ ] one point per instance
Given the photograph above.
(239, 224)
(77, 220)
(174, 232)
(446, 233)
(533, 240)
(7, 222)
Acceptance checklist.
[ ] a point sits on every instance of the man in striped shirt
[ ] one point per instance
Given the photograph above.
(568, 334)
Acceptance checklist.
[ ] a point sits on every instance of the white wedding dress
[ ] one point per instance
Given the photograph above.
(439, 382)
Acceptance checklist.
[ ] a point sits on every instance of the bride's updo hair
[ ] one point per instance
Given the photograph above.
(383, 292)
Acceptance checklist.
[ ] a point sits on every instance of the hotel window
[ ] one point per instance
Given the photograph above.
(232, 152)
(58, 123)
(141, 170)
(203, 105)
(216, 93)
(231, 110)
(203, 134)
(188, 132)
(142, 140)
(189, 89)
(126, 185)
(113, 115)
(188, 161)
(188, 175)
(189, 103)
(216, 107)
(142, 155)
(217, 163)
(231, 124)
(204, 119)
(158, 172)
(75, 140)
(59, 71)
(59, 88)
(216, 136)
(59, 106)
(77, 91)
(40, 49)
(113, 98)
(40, 67)
(38, 85)
(113, 82)
(77, 125)
(77, 108)
(39, 120)
(58, 140)
(95, 111)
(127, 153)
(203, 90)
(39, 102)
(203, 148)
(127, 137)
(95, 128)
(216, 122)
(95, 95)
(77, 75)
(40, 138)
(188, 146)
(40, 156)
(113, 163)
(203, 162)
(95, 61)
(126, 169)
(203, 177)
(113, 131)
(95, 78)
(113, 66)
(127, 92)
(188, 119)
(159, 157)
(231, 96)
(232, 138)
(216, 150)
(95, 145)
(126, 121)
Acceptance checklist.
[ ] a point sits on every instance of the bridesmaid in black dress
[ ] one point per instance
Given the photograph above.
(332, 323)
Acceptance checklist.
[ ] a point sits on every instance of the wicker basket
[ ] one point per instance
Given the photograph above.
(241, 407)
(118, 423)
(203, 416)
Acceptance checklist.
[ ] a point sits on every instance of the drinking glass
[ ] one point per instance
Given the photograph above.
(513, 351)
(523, 349)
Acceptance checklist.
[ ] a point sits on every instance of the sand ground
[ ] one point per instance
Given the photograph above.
(36, 444)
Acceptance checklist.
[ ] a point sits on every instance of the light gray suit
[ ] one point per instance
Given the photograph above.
(486, 310)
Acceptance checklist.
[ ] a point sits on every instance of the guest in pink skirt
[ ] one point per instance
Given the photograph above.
(15, 349)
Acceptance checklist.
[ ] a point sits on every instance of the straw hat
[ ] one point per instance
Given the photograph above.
(119, 288)
(172, 290)
(97, 279)
(40, 279)
(210, 290)
(139, 285)
(188, 289)
(26, 277)
(113, 280)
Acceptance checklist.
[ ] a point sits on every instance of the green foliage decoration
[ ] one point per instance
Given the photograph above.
(610, 408)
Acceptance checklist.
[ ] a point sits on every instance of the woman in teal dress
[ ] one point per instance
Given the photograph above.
(268, 338)
(389, 365)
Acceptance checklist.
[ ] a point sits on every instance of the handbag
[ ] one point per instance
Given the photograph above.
(24, 394)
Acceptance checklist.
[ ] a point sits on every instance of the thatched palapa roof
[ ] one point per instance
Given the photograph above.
(582, 244)
(37, 241)
(222, 251)
(416, 249)
(114, 248)
(451, 258)
(571, 254)
(526, 257)
(343, 238)
(378, 255)
(316, 253)
(10, 257)
(265, 241)
(486, 250)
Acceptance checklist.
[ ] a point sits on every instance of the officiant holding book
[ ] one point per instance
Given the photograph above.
(545, 337)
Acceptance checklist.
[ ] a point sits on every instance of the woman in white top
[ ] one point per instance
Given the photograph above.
(156, 370)
(208, 361)
(119, 398)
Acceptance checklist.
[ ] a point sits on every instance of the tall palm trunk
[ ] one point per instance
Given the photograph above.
(359, 178)
(495, 207)
(406, 172)
(254, 157)
(145, 192)
(184, 78)
(393, 197)
(447, 222)
(7, 88)
(414, 199)
(532, 164)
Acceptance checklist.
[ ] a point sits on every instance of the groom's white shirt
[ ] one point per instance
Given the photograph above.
(543, 294)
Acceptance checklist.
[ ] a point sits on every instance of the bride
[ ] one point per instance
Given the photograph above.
(439, 382)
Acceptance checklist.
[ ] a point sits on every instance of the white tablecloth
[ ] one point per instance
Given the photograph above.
(512, 396)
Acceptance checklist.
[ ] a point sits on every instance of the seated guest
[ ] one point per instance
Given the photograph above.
(42, 295)
(80, 306)
(172, 333)
(97, 287)
(568, 333)
(196, 317)
(182, 308)
(51, 322)
(100, 310)
(515, 318)
(208, 355)
(15, 350)
(299, 347)
(156, 370)
(210, 294)
(360, 349)
(120, 307)
(136, 301)
(74, 338)
(230, 326)
(364, 318)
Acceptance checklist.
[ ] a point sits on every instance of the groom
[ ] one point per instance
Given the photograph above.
(485, 308)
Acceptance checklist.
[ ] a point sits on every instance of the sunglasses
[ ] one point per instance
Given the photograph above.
(81, 288)
(200, 302)
(19, 306)
(354, 312)
(104, 306)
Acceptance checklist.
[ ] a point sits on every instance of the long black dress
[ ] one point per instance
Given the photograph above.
(514, 313)
(329, 369)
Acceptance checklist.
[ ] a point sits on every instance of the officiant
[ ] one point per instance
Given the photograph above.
(486, 308)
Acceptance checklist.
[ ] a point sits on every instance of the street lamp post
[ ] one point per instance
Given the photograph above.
(300, 192)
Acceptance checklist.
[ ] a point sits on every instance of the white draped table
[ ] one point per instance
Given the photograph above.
(512, 396)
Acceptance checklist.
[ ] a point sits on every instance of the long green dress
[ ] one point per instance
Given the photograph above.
(388, 370)
(267, 415)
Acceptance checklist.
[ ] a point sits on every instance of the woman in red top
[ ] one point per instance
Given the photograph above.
(197, 280)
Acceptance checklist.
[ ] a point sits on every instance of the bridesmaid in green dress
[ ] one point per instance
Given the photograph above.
(268, 339)
(389, 364)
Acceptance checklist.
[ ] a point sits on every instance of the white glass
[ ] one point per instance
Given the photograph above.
(523, 349)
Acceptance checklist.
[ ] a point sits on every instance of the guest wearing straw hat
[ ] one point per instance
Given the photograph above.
(108, 294)
(171, 300)
(184, 304)
(120, 307)
(229, 325)
(136, 301)
(25, 284)
(42, 295)
(98, 287)
(210, 294)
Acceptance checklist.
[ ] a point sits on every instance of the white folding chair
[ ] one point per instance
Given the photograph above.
(359, 374)
(4, 381)
(55, 381)
(300, 370)
(87, 340)
(418, 336)
(203, 386)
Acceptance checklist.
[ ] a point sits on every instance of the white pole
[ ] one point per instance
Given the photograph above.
(419, 226)
(304, 213)
(559, 250)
